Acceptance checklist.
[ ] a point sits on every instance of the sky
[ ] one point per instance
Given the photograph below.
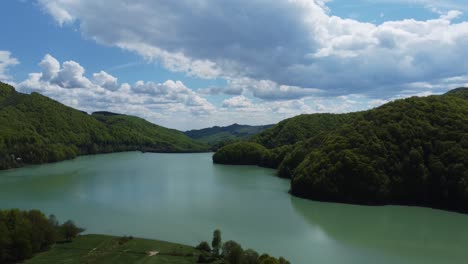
(190, 64)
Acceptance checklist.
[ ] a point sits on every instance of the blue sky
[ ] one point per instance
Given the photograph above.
(191, 64)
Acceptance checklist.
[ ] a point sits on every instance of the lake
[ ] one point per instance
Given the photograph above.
(184, 197)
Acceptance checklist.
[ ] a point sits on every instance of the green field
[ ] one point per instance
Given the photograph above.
(107, 249)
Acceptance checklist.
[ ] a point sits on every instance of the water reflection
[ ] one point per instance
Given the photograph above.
(412, 232)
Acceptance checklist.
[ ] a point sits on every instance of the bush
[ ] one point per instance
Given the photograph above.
(124, 239)
(69, 230)
(204, 246)
(250, 257)
(205, 257)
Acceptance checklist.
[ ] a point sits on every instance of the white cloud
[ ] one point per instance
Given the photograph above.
(292, 45)
(71, 75)
(159, 102)
(54, 8)
(106, 80)
(238, 102)
(50, 67)
(6, 61)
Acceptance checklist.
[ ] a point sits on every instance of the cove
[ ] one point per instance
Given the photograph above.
(184, 197)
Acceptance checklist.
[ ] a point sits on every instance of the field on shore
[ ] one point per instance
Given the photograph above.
(109, 249)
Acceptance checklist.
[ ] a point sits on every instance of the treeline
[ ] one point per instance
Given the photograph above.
(250, 153)
(411, 151)
(300, 128)
(37, 129)
(25, 233)
(269, 148)
(232, 253)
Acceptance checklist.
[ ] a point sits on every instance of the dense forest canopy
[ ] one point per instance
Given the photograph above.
(37, 129)
(25, 233)
(299, 128)
(461, 92)
(271, 146)
(410, 151)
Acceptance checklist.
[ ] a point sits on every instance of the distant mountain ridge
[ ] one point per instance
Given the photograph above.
(37, 129)
(217, 134)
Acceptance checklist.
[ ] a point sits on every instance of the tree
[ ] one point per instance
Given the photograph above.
(204, 246)
(53, 220)
(250, 256)
(232, 252)
(70, 230)
(25, 233)
(4, 242)
(267, 259)
(216, 242)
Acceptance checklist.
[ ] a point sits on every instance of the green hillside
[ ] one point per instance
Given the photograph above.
(108, 249)
(217, 135)
(271, 146)
(461, 92)
(146, 136)
(411, 151)
(299, 128)
(37, 129)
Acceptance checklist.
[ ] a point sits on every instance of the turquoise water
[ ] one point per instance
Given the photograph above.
(184, 197)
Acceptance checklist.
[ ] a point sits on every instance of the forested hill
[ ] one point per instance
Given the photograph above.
(459, 92)
(299, 128)
(216, 135)
(269, 147)
(412, 151)
(37, 129)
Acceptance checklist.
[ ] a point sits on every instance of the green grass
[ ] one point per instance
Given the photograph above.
(106, 249)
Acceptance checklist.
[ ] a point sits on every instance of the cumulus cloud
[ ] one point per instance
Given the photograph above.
(6, 61)
(50, 67)
(293, 44)
(68, 75)
(106, 80)
(158, 102)
(237, 102)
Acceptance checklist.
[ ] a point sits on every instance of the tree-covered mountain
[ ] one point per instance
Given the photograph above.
(299, 128)
(461, 92)
(271, 146)
(410, 151)
(217, 135)
(37, 129)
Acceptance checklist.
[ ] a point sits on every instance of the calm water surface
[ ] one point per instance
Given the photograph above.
(184, 197)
